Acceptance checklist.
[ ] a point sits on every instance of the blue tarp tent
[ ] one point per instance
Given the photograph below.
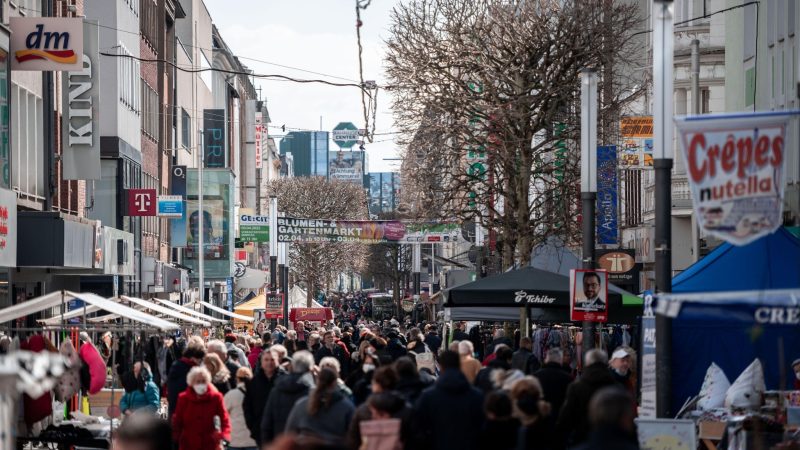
(772, 262)
(712, 324)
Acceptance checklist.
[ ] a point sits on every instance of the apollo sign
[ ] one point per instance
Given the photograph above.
(46, 43)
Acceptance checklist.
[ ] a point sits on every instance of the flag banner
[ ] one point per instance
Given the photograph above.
(735, 167)
(364, 231)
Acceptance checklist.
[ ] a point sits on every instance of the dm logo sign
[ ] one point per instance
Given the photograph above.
(46, 43)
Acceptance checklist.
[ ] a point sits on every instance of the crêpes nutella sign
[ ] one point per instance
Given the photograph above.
(735, 166)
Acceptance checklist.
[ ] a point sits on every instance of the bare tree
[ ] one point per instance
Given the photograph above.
(487, 94)
(316, 264)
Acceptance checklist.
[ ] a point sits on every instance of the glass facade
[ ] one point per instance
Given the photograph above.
(384, 192)
(309, 150)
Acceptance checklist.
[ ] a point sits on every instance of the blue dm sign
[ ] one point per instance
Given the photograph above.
(170, 206)
(607, 196)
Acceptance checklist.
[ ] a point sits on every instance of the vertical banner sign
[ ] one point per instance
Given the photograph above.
(214, 138)
(259, 131)
(588, 295)
(735, 167)
(647, 408)
(607, 195)
(177, 226)
(47, 44)
(81, 118)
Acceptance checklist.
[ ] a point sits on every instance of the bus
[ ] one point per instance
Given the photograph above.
(383, 306)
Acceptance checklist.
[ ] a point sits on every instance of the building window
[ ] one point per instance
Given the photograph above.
(185, 129)
(128, 80)
(27, 146)
(150, 111)
(749, 31)
(705, 101)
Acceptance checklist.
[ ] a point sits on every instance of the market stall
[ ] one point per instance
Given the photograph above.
(545, 295)
(189, 311)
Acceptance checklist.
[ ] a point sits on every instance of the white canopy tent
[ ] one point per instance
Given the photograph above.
(189, 311)
(55, 299)
(298, 298)
(226, 312)
(155, 308)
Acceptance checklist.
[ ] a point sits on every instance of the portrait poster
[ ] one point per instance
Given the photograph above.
(588, 294)
(213, 228)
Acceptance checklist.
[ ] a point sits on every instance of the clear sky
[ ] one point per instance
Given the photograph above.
(320, 36)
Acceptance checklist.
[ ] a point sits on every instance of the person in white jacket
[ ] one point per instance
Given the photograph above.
(240, 434)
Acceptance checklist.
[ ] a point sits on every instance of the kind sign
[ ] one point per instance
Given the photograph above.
(735, 170)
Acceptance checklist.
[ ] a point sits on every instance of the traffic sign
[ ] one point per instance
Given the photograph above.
(170, 206)
(345, 135)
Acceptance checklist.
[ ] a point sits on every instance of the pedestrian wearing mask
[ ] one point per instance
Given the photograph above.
(176, 380)
(200, 421)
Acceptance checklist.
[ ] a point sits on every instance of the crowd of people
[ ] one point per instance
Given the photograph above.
(380, 386)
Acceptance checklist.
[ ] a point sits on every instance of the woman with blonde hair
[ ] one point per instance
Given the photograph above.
(531, 409)
(220, 375)
(234, 399)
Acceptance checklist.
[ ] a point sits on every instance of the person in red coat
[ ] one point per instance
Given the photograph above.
(200, 421)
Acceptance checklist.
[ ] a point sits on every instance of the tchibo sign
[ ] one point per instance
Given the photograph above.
(46, 43)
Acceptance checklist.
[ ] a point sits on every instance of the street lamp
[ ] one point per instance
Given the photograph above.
(273, 241)
(663, 39)
(588, 180)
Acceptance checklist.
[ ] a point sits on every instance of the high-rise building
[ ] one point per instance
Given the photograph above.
(384, 192)
(309, 150)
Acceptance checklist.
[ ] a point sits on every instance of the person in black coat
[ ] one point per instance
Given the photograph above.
(285, 394)
(410, 383)
(176, 379)
(394, 347)
(483, 380)
(573, 420)
(459, 334)
(268, 373)
(329, 347)
(450, 413)
(432, 339)
(555, 380)
(500, 430)
(611, 413)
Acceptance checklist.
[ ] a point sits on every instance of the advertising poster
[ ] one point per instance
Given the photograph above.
(213, 216)
(647, 409)
(253, 228)
(274, 306)
(177, 226)
(364, 231)
(607, 195)
(637, 142)
(214, 138)
(346, 166)
(588, 295)
(735, 167)
(623, 270)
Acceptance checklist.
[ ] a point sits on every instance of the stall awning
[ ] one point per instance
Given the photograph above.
(164, 310)
(257, 302)
(189, 311)
(226, 312)
(55, 299)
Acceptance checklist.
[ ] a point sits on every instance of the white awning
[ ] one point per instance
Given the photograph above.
(186, 310)
(226, 312)
(94, 303)
(155, 308)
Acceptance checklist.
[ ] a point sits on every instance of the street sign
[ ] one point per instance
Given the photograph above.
(345, 135)
(170, 206)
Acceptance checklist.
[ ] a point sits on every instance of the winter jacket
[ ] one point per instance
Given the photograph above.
(193, 420)
(395, 349)
(242, 357)
(573, 420)
(254, 356)
(555, 381)
(255, 399)
(499, 434)
(449, 414)
(148, 399)
(538, 436)
(605, 438)
(330, 423)
(363, 414)
(483, 380)
(176, 382)
(433, 341)
(525, 361)
(336, 352)
(281, 400)
(240, 433)
(410, 388)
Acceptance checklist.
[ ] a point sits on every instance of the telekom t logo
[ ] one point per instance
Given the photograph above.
(141, 202)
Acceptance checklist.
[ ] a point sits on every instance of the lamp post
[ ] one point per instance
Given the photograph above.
(663, 39)
(273, 241)
(588, 180)
(201, 162)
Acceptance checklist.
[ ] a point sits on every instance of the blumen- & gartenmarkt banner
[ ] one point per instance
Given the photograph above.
(735, 166)
(292, 229)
